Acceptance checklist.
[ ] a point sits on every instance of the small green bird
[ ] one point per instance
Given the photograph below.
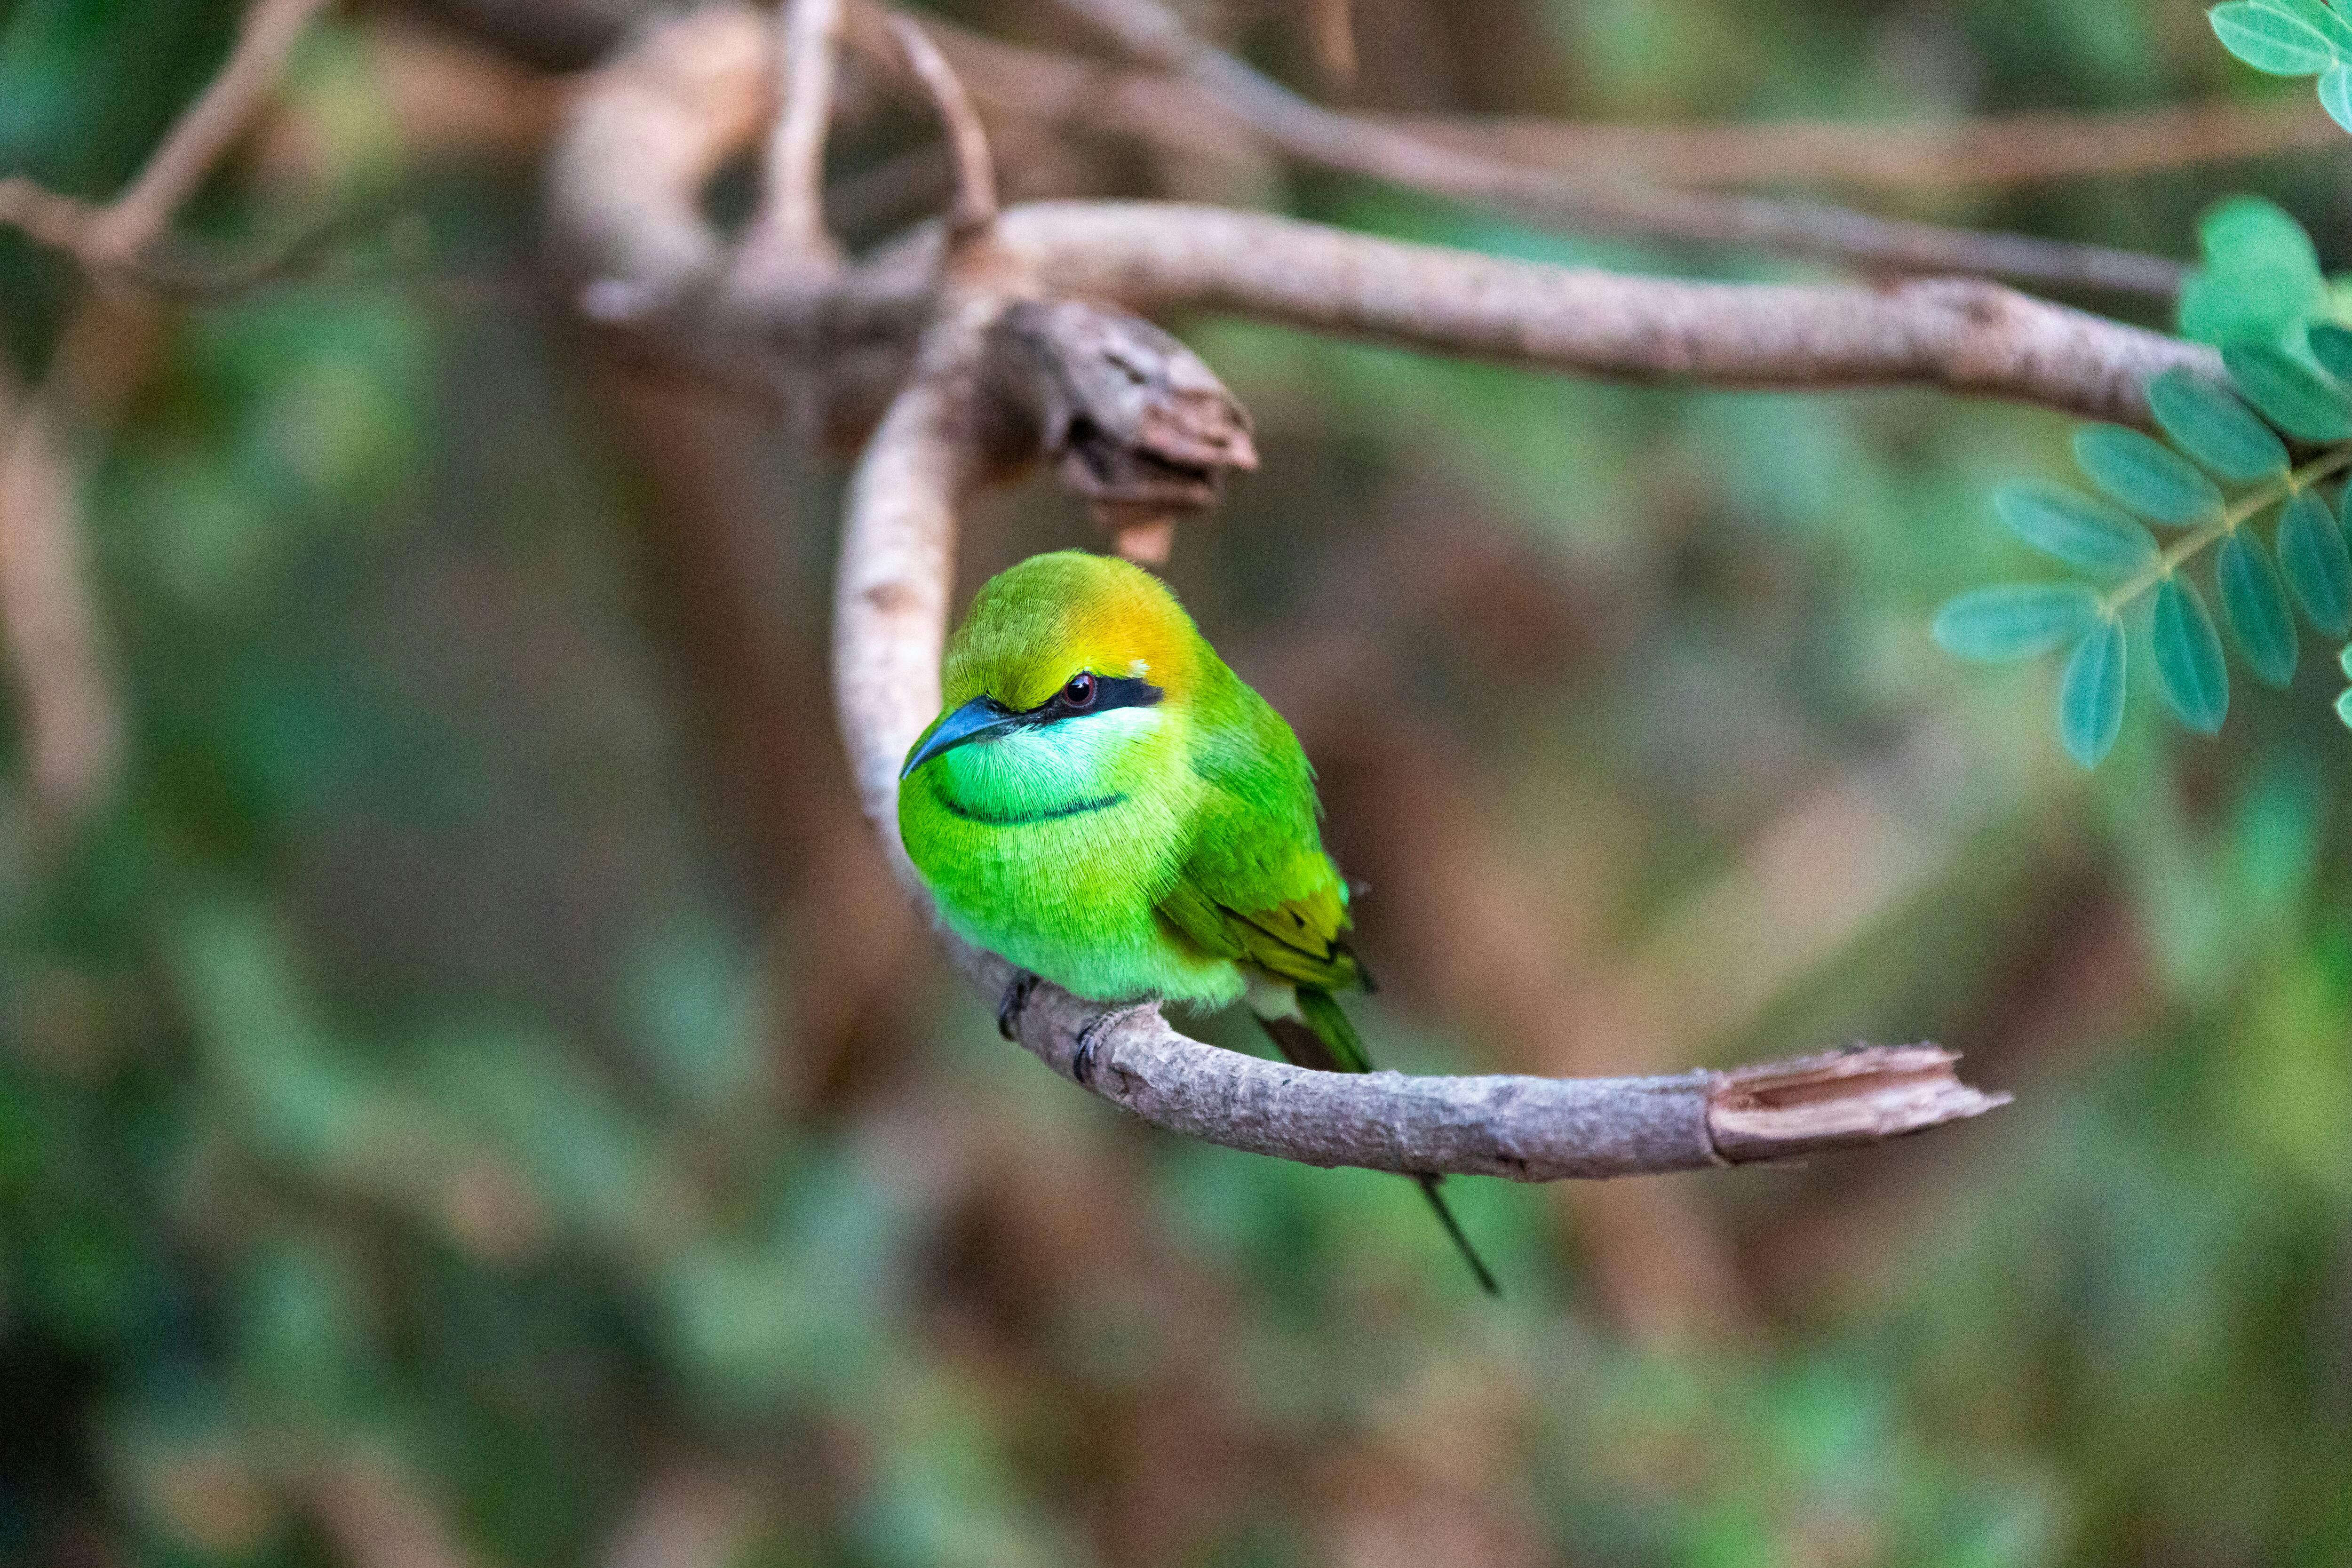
(1105, 804)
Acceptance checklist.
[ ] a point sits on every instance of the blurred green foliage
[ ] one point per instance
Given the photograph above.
(419, 1119)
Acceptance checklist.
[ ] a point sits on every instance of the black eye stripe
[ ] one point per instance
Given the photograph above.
(1111, 691)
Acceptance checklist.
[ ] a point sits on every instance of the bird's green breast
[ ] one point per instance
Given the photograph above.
(1053, 848)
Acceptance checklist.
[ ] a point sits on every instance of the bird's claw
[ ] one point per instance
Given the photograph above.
(1009, 1006)
(1081, 1060)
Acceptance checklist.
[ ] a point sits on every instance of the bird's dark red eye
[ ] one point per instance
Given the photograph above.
(1080, 692)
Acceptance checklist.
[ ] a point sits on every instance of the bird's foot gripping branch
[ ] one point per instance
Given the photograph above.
(997, 340)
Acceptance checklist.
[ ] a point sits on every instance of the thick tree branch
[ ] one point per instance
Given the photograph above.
(1380, 150)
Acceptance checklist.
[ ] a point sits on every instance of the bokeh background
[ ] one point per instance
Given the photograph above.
(469, 1095)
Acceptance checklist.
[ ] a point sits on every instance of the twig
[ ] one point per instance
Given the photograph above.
(643, 136)
(264, 41)
(891, 621)
(110, 238)
(1331, 30)
(1898, 155)
(975, 172)
(378, 1516)
(789, 231)
(1379, 151)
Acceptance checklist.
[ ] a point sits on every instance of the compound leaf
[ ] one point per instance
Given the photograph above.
(2331, 345)
(2260, 279)
(2336, 94)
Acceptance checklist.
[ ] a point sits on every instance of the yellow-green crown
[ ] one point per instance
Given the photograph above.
(1036, 624)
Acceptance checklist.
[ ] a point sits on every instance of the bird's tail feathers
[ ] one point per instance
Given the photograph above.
(1444, 1213)
(1312, 1031)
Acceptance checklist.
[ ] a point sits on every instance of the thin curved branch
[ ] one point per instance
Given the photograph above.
(1379, 149)
(975, 169)
(891, 604)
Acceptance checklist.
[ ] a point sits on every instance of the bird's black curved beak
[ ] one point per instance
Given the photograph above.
(975, 720)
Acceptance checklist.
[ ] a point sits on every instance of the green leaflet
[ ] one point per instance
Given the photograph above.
(2212, 426)
(2271, 39)
(2344, 708)
(2260, 279)
(2188, 667)
(2085, 533)
(2344, 661)
(2015, 620)
(2336, 94)
(2313, 559)
(2254, 601)
(2090, 695)
(2331, 345)
(2146, 475)
(2288, 394)
(2324, 18)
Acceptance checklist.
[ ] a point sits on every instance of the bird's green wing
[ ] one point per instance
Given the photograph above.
(1297, 940)
(1257, 886)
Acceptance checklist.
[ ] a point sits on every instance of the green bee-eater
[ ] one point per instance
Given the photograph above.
(1105, 804)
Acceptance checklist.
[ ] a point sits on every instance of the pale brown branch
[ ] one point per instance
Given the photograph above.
(72, 721)
(1381, 151)
(896, 564)
(643, 136)
(975, 169)
(1961, 334)
(60, 222)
